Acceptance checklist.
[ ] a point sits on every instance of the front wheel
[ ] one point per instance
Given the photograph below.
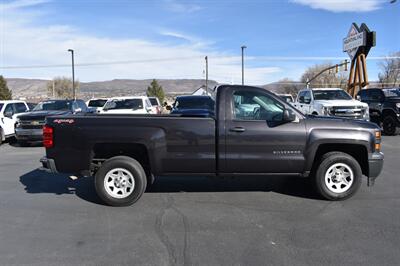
(338, 176)
(120, 181)
(389, 125)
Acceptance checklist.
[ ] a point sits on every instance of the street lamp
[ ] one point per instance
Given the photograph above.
(73, 73)
(243, 47)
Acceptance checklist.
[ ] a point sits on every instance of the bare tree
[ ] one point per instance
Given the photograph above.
(390, 71)
(61, 87)
(288, 86)
(328, 79)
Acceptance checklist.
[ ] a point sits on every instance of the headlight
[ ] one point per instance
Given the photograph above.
(398, 105)
(326, 110)
(366, 114)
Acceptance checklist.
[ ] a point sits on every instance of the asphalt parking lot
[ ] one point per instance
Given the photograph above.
(51, 220)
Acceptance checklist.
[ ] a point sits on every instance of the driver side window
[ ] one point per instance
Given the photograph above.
(254, 105)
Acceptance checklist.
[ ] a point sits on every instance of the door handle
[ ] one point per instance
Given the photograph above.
(237, 129)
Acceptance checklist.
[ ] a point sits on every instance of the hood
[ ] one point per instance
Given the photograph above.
(41, 115)
(330, 103)
(332, 122)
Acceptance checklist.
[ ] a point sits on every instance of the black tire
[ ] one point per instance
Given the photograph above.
(329, 160)
(389, 125)
(130, 165)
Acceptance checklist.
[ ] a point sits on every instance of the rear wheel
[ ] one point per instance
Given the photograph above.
(120, 181)
(389, 125)
(338, 176)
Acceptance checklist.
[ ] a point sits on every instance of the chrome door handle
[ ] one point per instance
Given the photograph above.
(237, 129)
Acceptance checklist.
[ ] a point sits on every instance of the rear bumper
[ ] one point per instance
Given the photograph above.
(375, 164)
(48, 165)
(29, 134)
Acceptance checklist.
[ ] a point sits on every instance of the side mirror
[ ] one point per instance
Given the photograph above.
(8, 114)
(289, 115)
(168, 107)
(358, 98)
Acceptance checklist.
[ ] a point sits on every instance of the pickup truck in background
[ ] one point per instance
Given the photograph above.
(330, 102)
(253, 132)
(28, 127)
(384, 107)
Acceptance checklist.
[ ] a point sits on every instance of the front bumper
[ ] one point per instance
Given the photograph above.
(48, 165)
(375, 165)
(35, 134)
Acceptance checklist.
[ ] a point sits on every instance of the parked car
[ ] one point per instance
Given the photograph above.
(156, 105)
(128, 105)
(384, 107)
(331, 102)
(287, 97)
(191, 105)
(126, 152)
(9, 112)
(28, 127)
(95, 105)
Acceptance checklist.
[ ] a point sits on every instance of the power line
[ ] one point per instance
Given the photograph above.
(258, 58)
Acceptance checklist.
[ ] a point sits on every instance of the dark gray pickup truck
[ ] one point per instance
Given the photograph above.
(254, 132)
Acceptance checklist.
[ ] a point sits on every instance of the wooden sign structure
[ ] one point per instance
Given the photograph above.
(357, 44)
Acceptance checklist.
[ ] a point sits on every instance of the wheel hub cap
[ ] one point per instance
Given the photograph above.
(339, 178)
(119, 183)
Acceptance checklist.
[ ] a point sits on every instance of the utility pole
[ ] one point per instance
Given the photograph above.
(54, 90)
(206, 74)
(73, 74)
(243, 47)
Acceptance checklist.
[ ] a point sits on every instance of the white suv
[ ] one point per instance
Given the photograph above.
(331, 102)
(9, 111)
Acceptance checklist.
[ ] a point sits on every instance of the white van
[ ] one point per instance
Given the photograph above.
(9, 111)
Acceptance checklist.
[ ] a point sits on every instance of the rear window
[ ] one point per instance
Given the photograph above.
(124, 104)
(194, 103)
(53, 105)
(97, 103)
(392, 93)
(153, 101)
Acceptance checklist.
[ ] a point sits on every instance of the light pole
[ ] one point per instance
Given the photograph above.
(73, 73)
(243, 47)
(206, 58)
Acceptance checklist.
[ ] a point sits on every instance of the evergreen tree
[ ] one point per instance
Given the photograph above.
(155, 90)
(5, 93)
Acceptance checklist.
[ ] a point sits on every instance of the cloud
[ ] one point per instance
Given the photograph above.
(21, 4)
(180, 7)
(342, 5)
(27, 43)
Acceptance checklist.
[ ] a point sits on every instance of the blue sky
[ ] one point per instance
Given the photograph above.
(169, 38)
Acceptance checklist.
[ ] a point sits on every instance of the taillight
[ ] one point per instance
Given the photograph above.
(48, 136)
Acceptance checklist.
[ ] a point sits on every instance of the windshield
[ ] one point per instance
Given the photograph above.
(97, 103)
(153, 101)
(331, 95)
(53, 106)
(389, 93)
(124, 104)
(194, 103)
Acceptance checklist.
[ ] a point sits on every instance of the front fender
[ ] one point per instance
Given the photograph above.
(318, 137)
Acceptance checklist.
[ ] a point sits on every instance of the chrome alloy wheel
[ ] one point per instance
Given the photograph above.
(339, 178)
(119, 183)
